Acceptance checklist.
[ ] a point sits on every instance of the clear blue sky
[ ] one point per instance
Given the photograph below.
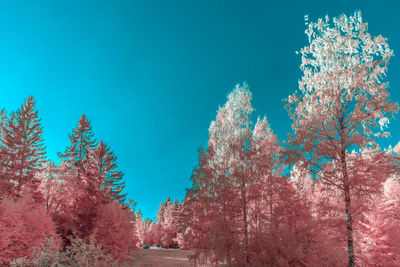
(151, 74)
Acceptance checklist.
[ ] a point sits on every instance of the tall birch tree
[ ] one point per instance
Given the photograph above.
(342, 105)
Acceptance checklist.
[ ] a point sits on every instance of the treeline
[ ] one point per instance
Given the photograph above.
(328, 196)
(71, 214)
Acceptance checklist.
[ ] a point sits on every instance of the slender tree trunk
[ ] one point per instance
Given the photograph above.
(20, 178)
(350, 247)
(272, 231)
(245, 224)
(349, 221)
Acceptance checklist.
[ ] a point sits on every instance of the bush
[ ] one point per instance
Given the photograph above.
(24, 226)
(78, 254)
(114, 230)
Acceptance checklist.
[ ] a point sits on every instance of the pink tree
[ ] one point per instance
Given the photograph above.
(62, 194)
(142, 227)
(342, 105)
(82, 142)
(210, 228)
(241, 209)
(229, 137)
(282, 230)
(22, 151)
(168, 223)
(114, 230)
(79, 211)
(104, 181)
(24, 227)
(380, 234)
(52, 188)
(179, 224)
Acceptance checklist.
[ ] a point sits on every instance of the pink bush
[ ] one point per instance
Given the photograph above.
(24, 226)
(114, 230)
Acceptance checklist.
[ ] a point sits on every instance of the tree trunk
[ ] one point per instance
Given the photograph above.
(245, 225)
(349, 224)
(349, 221)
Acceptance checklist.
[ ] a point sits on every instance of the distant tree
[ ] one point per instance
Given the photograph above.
(179, 223)
(342, 105)
(22, 152)
(167, 223)
(142, 228)
(185, 221)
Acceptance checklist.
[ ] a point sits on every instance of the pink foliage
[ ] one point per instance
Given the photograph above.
(329, 197)
(341, 108)
(241, 210)
(114, 229)
(24, 226)
(380, 234)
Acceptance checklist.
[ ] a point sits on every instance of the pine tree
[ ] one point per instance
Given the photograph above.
(82, 206)
(82, 142)
(104, 181)
(22, 151)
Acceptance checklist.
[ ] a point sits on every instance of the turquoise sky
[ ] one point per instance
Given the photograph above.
(151, 74)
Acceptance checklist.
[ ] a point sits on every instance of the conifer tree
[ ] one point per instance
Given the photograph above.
(22, 152)
(75, 158)
(82, 142)
(104, 180)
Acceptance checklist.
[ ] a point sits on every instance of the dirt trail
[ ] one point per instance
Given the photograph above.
(162, 258)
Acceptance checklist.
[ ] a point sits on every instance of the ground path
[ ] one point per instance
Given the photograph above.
(162, 258)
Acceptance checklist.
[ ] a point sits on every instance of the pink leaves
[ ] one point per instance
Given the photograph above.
(380, 236)
(24, 226)
(343, 108)
(114, 230)
(78, 197)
